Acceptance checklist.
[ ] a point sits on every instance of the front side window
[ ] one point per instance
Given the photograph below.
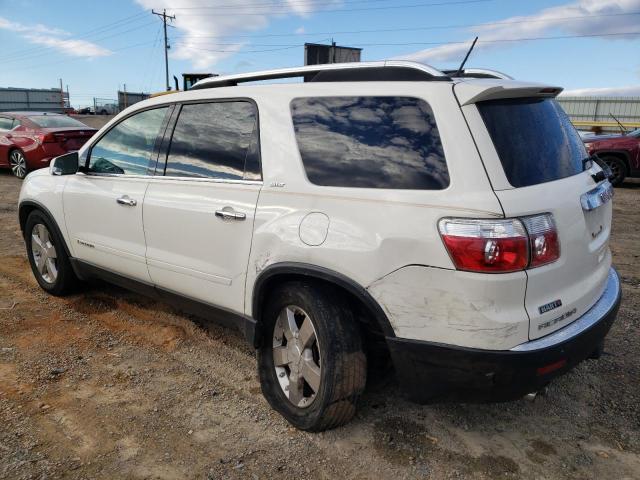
(370, 142)
(215, 140)
(128, 148)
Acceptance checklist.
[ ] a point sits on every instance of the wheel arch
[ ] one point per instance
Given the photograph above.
(28, 206)
(276, 274)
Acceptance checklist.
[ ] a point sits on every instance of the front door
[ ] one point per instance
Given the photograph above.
(103, 205)
(198, 217)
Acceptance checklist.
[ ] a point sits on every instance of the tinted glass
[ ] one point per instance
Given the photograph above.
(534, 138)
(5, 123)
(56, 121)
(215, 140)
(128, 147)
(374, 142)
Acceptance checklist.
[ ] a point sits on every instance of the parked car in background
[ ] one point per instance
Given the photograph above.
(29, 140)
(620, 152)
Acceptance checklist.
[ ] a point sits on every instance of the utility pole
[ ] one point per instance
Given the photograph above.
(166, 44)
(61, 96)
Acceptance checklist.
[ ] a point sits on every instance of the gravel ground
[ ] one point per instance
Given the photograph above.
(108, 384)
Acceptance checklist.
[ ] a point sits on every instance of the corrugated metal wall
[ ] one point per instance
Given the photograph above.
(24, 99)
(596, 110)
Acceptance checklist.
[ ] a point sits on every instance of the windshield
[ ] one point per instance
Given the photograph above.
(534, 139)
(635, 133)
(56, 121)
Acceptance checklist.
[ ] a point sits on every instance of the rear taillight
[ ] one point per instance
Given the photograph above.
(47, 138)
(500, 246)
(543, 239)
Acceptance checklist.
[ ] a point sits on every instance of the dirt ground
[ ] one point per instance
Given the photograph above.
(107, 384)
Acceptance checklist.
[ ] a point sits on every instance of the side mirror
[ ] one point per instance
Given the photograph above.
(65, 164)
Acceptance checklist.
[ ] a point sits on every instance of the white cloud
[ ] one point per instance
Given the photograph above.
(51, 37)
(197, 27)
(546, 22)
(300, 30)
(76, 48)
(630, 91)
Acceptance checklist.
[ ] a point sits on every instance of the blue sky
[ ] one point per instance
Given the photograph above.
(97, 46)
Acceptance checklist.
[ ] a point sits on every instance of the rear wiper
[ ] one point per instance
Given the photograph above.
(605, 172)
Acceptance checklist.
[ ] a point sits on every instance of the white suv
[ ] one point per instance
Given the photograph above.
(452, 222)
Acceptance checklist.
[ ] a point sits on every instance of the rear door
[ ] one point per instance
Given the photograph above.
(103, 206)
(200, 207)
(536, 162)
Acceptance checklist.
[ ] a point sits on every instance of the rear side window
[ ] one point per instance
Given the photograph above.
(128, 148)
(370, 142)
(215, 140)
(534, 139)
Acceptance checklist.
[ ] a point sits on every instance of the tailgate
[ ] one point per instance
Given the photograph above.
(71, 139)
(561, 292)
(536, 163)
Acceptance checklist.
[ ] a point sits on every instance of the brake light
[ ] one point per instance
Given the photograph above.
(500, 246)
(486, 245)
(46, 138)
(543, 239)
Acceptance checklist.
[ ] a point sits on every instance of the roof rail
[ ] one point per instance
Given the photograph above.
(479, 73)
(354, 71)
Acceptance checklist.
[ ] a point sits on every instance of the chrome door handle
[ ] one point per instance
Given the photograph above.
(228, 213)
(125, 200)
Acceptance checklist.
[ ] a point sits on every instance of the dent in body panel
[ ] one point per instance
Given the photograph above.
(451, 307)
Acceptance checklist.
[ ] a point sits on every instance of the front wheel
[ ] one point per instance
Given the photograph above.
(48, 259)
(18, 163)
(312, 366)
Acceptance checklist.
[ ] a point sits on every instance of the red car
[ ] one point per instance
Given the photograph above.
(29, 140)
(620, 152)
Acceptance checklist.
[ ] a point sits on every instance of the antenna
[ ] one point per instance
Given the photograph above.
(622, 129)
(459, 71)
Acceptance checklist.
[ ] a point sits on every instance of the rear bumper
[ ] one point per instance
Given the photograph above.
(435, 372)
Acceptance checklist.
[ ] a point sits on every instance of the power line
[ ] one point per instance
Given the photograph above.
(414, 29)
(386, 7)
(502, 40)
(308, 3)
(89, 33)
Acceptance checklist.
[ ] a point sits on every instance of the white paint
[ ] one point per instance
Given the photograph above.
(314, 228)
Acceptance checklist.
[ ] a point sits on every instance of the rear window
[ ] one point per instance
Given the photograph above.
(370, 142)
(534, 139)
(56, 121)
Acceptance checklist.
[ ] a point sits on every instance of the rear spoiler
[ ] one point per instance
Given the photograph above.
(469, 92)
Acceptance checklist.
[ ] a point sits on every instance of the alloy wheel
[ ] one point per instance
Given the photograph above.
(44, 253)
(296, 356)
(18, 164)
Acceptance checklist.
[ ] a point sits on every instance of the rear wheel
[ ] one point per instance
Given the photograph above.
(49, 262)
(618, 169)
(18, 163)
(312, 367)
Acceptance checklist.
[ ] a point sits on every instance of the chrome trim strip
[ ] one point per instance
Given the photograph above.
(301, 71)
(182, 179)
(586, 321)
(597, 197)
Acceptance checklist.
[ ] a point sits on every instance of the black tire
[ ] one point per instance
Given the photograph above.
(18, 164)
(618, 168)
(65, 279)
(343, 364)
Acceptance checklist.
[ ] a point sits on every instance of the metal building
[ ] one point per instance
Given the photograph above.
(33, 99)
(591, 113)
(126, 99)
